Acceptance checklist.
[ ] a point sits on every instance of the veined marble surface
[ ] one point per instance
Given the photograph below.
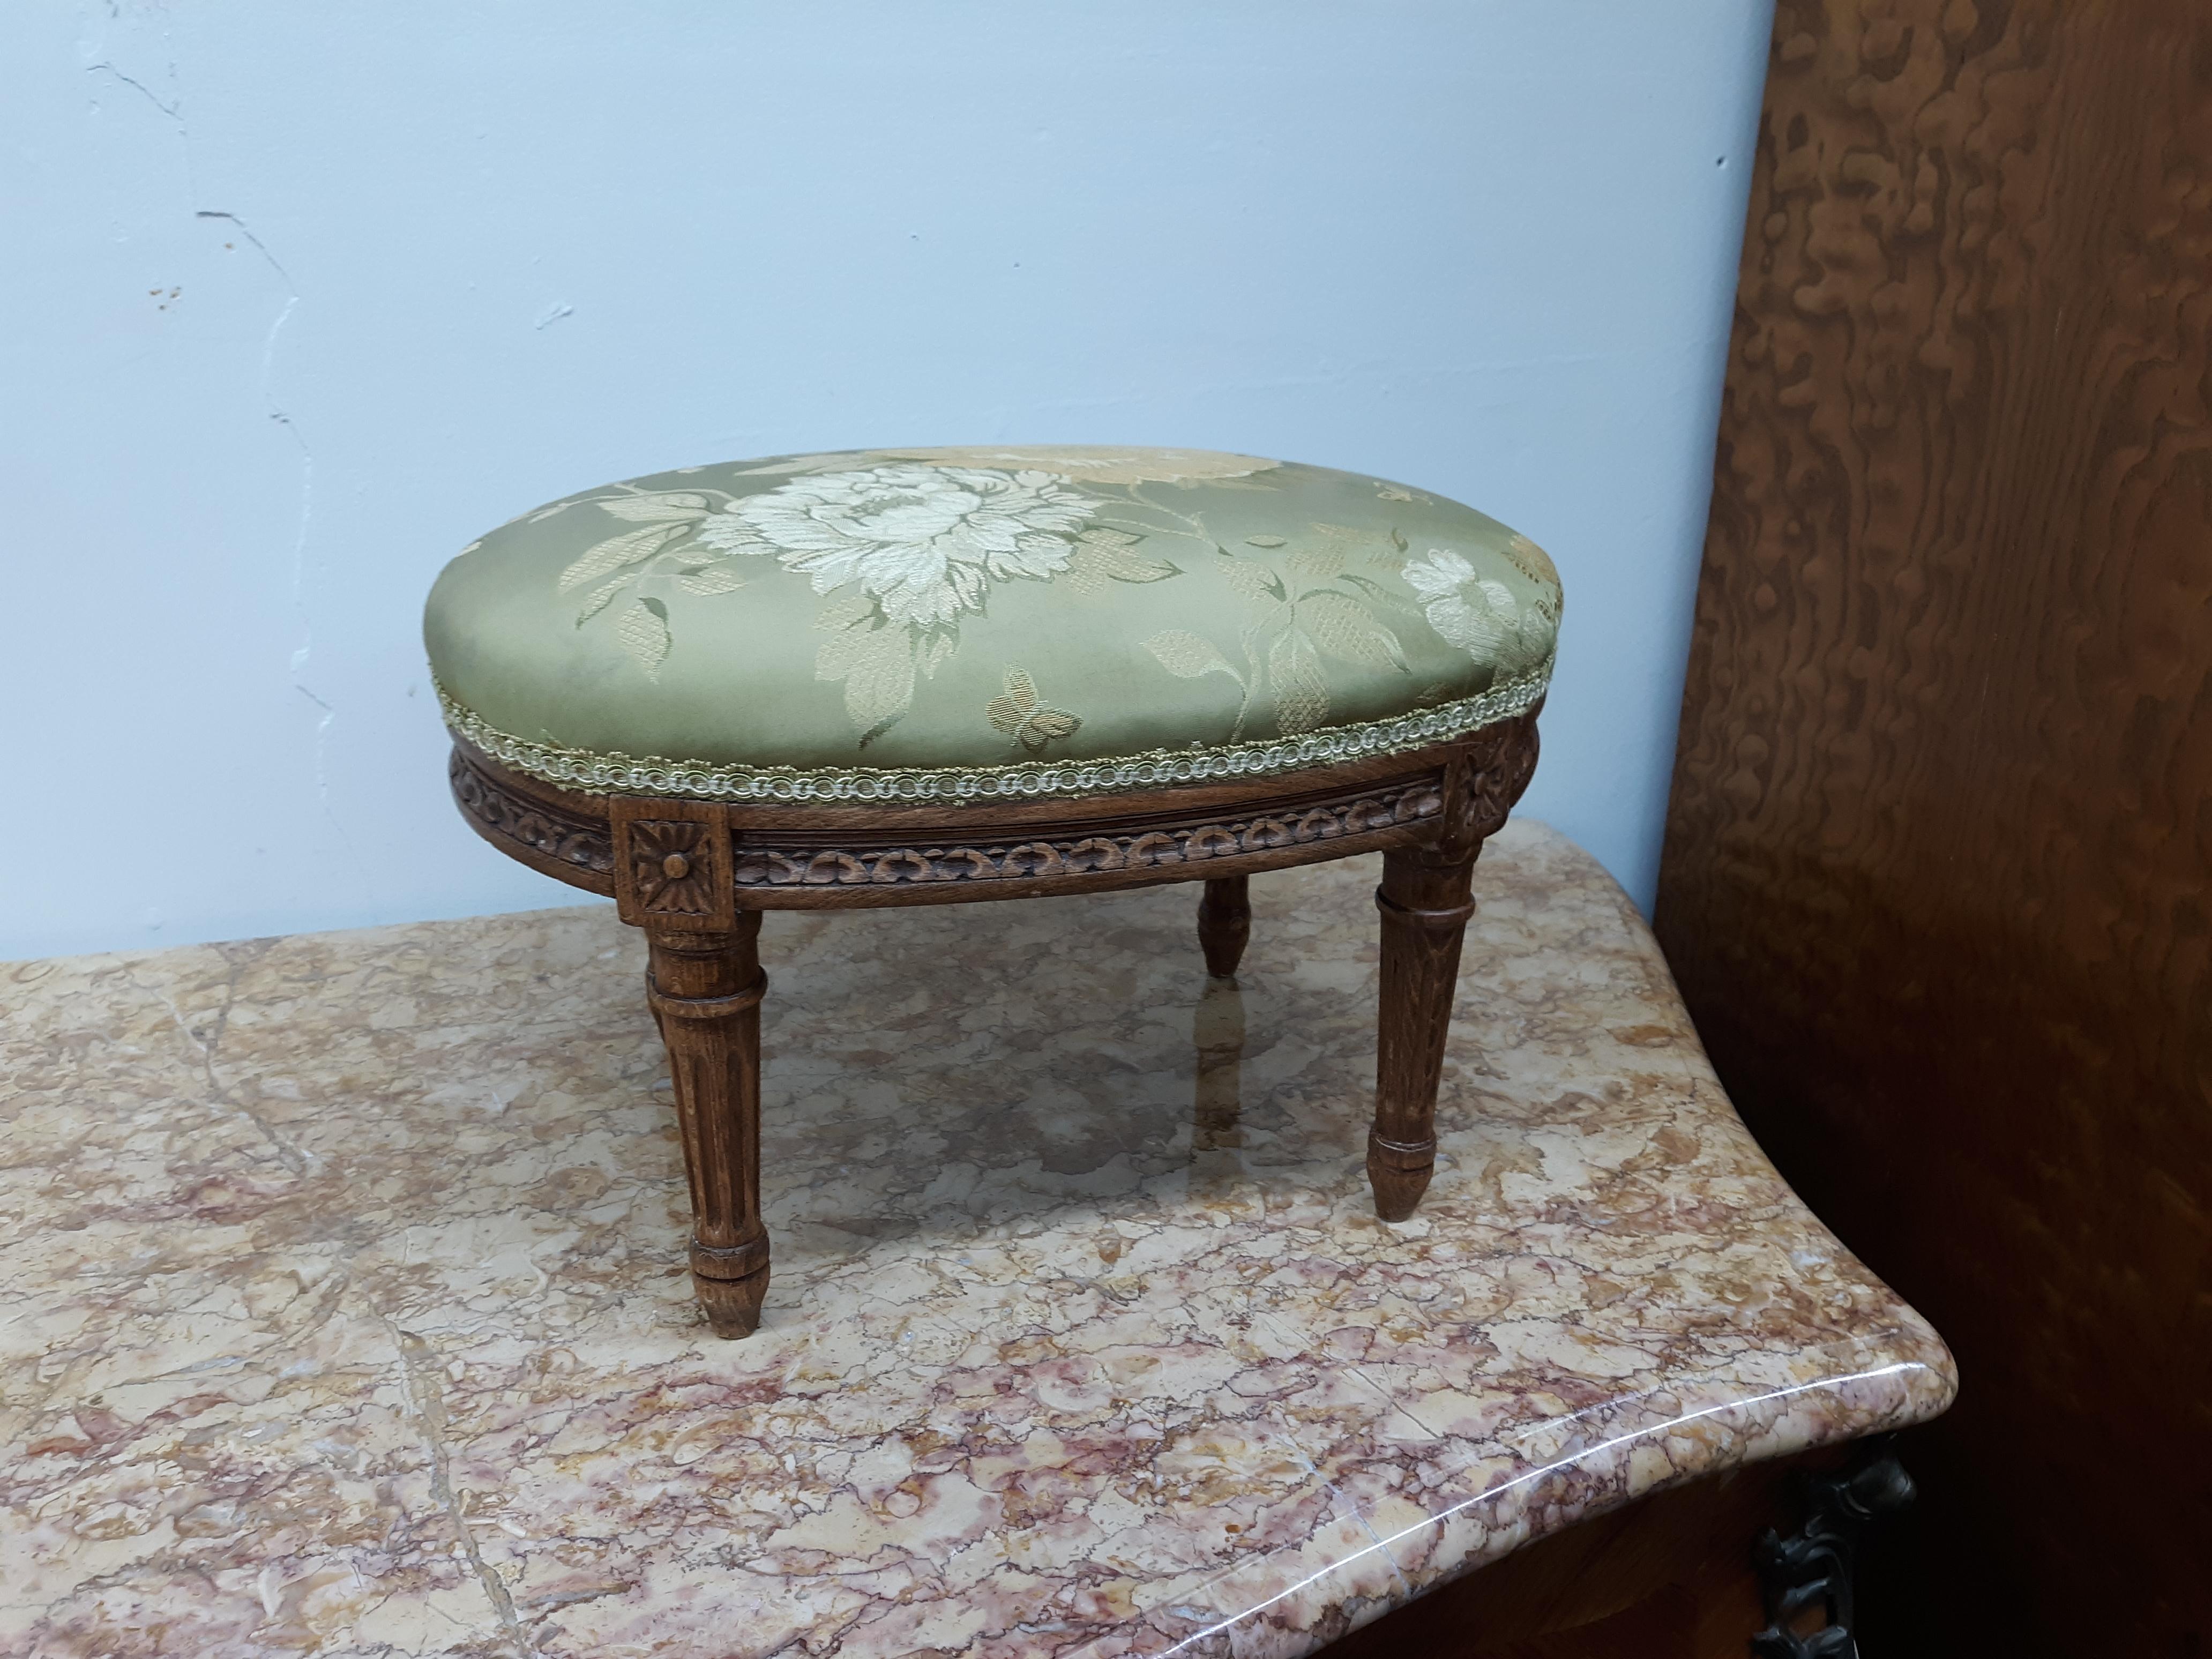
(346, 1310)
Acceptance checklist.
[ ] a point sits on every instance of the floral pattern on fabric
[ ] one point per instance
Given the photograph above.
(1319, 608)
(1478, 614)
(904, 549)
(922, 542)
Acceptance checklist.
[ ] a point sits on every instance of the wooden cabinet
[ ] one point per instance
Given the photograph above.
(1938, 874)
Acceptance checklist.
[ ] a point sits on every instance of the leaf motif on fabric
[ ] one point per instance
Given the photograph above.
(601, 598)
(848, 608)
(1379, 598)
(1300, 688)
(1256, 637)
(1251, 580)
(936, 650)
(1265, 541)
(1344, 628)
(723, 576)
(837, 655)
(1187, 656)
(1017, 712)
(616, 552)
(1531, 561)
(1539, 634)
(675, 507)
(1101, 556)
(1327, 550)
(643, 632)
(876, 666)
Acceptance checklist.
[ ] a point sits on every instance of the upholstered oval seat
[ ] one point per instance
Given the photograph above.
(983, 623)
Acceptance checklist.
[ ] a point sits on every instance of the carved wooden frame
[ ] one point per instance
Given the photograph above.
(696, 874)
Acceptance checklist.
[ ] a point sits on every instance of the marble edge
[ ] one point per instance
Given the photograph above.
(1402, 1556)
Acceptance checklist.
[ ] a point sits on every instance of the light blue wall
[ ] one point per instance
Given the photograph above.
(298, 299)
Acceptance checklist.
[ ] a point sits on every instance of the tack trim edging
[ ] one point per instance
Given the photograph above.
(617, 773)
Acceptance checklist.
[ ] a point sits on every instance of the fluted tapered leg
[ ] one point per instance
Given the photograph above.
(705, 989)
(1224, 923)
(1425, 907)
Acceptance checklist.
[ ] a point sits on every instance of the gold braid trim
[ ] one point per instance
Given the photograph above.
(618, 774)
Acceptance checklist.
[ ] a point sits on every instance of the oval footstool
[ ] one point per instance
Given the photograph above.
(930, 676)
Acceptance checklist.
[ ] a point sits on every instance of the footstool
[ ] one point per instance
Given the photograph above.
(932, 675)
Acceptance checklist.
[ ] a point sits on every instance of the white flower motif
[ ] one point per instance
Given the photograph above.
(1477, 614)
(925, 542)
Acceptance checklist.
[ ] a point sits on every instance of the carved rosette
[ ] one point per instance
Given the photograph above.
(672, 867)
(1481, 783)
(1507, 763)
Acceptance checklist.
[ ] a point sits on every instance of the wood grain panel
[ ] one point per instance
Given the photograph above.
(1668, 1577)
(1938, 872)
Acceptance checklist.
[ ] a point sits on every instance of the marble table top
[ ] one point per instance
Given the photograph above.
(345, 1307)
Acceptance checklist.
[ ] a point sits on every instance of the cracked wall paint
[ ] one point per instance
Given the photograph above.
(317, 305)
(304, 651)
(114, 33)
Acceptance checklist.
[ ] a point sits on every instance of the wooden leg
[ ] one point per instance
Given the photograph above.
(705, 989)
(1424, 904)
(1224, 922)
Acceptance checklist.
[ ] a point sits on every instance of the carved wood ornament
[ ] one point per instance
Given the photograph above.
(696, 875)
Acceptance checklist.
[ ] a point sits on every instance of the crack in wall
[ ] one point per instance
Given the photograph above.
(418, 1365)
(173, 109)
(305, 650)
(169, 110)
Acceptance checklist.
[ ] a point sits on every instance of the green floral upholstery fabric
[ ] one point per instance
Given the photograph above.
(969, 623)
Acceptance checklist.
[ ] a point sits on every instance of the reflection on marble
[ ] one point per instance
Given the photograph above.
(347, 1313)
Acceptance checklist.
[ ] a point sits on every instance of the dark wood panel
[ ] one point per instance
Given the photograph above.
(1938, 873)
(1668, 1577)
